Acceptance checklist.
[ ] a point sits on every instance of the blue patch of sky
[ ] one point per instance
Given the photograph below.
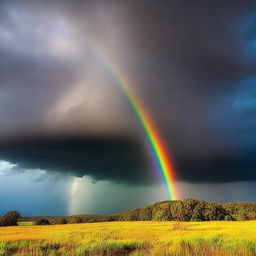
(29, 193)
(247, 35)
(235, 114)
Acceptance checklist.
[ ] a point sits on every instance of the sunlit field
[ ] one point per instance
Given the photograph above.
(131, 238)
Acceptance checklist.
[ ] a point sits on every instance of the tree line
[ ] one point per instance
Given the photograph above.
(176, 210)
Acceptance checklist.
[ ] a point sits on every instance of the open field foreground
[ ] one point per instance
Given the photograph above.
(131, 238)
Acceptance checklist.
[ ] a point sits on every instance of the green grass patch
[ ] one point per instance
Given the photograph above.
(25, 223)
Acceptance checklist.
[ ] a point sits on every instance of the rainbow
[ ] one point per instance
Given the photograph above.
(158, 149)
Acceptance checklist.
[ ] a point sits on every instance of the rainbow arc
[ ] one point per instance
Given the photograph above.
(159, 151)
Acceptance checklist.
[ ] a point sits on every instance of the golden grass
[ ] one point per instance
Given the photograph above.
(131, 238)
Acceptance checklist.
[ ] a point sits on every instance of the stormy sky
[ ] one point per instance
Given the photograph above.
(68, 136)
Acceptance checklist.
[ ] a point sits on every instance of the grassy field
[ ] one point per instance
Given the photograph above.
(131, 238)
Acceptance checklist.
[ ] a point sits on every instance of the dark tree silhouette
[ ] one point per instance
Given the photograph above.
(10, 219)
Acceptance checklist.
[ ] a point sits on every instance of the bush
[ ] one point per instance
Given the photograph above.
(10, 219)
(75, 219)
(242, 215)
(42, 222)
(59, 220)
(228, 218)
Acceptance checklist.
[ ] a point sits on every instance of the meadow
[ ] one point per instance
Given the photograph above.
(131, 238)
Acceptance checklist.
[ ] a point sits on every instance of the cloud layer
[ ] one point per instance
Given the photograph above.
(192, 64)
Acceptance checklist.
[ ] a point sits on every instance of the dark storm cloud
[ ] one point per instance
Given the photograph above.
(200, 56)
(114, 159)
(219, 168)
(28, 87)
(193, 63)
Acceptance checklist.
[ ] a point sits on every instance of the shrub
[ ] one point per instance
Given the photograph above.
(228, 218)
(10, 219)
(42, 222)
